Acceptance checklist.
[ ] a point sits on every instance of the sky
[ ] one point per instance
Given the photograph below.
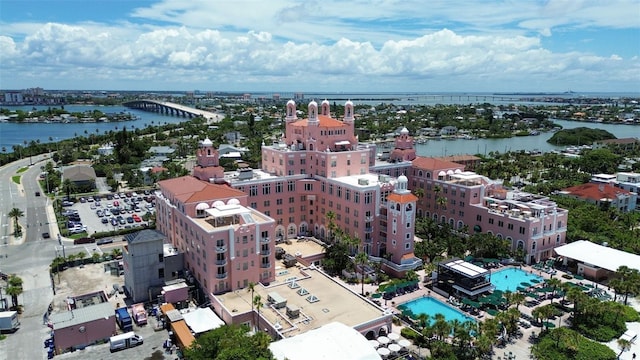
(321, 45)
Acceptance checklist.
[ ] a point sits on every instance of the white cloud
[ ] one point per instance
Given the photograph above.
(294, 45)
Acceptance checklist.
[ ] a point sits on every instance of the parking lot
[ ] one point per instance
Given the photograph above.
(95, 277)
(104, 213)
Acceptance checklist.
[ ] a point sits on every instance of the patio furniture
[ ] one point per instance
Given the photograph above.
(394, 348)
(383, 340)
(404, 343)
(384, 352)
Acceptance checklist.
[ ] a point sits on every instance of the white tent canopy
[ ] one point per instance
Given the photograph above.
(201, 320)
(602, 256)
(346, 343)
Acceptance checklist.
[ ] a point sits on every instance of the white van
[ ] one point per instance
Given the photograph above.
(124, 341)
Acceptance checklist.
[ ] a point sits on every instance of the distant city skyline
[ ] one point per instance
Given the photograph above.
(329, 46)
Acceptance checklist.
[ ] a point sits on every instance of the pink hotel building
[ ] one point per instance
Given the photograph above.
(228, 223)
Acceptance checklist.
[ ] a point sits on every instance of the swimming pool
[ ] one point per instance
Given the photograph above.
(431, 307)
(510, 278)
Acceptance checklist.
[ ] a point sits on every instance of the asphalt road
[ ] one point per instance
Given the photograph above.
(28, 257)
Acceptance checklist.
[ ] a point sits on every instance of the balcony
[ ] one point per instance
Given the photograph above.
(221, 249)
(265, 252)
(265, 239)
(368, 218)
(221, 262)
(265, 265)
(368, 230)
(221, 276)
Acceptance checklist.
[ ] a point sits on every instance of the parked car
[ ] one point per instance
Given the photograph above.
(46, 235)
(104, 220)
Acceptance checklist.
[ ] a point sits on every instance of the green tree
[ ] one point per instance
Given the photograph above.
(257, 302)
(15, 214)
(230, 342)
(362, 260)
(14, 289)
(554, 283)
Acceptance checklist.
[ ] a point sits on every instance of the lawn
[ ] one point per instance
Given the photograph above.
(16, 179)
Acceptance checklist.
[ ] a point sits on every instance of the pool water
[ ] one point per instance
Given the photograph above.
(510, 278)
(431, 307)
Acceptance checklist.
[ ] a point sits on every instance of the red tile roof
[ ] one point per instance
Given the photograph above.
(189, 189)
(324, 121)
(594, 191)
(455, 158)
(430, 163)
(402, 198)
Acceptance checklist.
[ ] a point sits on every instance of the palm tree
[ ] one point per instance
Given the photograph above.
(442, 202)
(15, 214)
(554, 283)
(441, 327)
(257, 302)
(14, 289)
(68, 185)
(517, 299)
(362, 260)
(423, 320)
(576, 296)
(331, 225)
(629, 281)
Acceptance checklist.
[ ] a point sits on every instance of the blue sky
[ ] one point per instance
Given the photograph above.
(328, 45)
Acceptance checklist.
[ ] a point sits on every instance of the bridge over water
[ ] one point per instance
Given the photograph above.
(166, 107)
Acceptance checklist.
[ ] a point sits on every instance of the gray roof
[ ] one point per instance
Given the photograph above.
(79, 173)
(162, 149)
(144, 236)
(81, 315)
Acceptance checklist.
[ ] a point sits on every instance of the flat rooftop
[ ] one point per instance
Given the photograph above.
(598, 255)
(302, 247)
(334, 302)
(466, 268)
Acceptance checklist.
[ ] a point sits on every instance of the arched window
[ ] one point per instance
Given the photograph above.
(408, 208)
(451, 223)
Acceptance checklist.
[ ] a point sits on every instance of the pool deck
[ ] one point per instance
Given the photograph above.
(519, 348)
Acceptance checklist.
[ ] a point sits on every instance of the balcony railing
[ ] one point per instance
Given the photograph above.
(265, 252)
(265, 265)
(221, 248)
(221, 276)
(221, 262)
(265, 239)
(368, 230)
